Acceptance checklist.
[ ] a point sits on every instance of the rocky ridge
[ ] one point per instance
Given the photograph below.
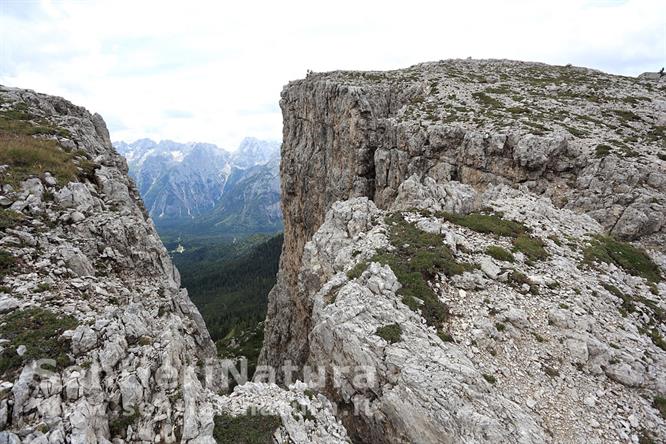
(87, 283)
(534, 333)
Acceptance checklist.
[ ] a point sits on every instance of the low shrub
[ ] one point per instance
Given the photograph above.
(602, 150)
(517, 278)
(390, 333)
(490, 378)
(445, 336)
(42, 287)
(659, 403)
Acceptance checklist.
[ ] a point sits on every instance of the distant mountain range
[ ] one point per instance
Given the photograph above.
(200, 188)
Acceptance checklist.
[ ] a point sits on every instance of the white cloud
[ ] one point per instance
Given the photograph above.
(214, 71)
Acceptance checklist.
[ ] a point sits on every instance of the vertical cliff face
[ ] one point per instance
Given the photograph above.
(88, 284)
(569, 145)
(550, 129)
(328, 157)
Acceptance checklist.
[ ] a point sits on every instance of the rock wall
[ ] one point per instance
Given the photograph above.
(441, 136)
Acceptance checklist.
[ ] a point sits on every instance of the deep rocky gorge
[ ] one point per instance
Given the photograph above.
(88, 284)
(540, 317)
(485, 238)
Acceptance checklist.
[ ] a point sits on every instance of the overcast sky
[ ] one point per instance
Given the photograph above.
(213, 72)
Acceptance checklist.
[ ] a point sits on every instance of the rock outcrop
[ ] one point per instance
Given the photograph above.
(98, 341)
(546, 325)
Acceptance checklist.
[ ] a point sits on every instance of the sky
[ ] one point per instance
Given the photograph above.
(213, 71)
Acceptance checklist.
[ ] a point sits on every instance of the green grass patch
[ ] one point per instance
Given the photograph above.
(612, 289)
(486, 100)
(657, 134)
(626, 115)
(602, 150)
(42, 287)
(536, 128)
(532, 247)
(18, 120)
(499, 253)
(418, 256)
(245, 429)
(357, 270)
(29, 157)
(7, 263)
(656, 315)
(517, 110)
(485, 223)
(628, 305)
(390, 333)
(415, 292)
(631, 259)
(39, 330)
(658, 339)
(10, 219)
(577, 132)
(242, 343)
(499, 89)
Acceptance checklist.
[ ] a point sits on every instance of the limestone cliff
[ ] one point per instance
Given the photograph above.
(542, 328)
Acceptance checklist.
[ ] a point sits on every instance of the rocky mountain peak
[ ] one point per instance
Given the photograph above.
(252, 151)
(187, 184)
